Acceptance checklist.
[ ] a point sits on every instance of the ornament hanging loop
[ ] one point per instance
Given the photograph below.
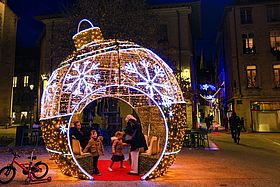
(84, 20)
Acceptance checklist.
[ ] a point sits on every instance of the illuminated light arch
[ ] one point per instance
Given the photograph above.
(110, 68)
(99, 97)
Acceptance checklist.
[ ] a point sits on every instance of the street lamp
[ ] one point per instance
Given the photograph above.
(31, 106)
(31, 86)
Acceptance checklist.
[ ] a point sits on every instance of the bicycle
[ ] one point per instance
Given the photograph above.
(33, 171)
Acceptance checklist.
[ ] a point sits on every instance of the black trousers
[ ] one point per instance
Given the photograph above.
(95, 162)
(235, 133)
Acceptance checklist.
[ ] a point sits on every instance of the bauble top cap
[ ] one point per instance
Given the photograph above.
(87, 36)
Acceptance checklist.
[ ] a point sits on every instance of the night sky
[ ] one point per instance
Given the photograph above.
(29, 29)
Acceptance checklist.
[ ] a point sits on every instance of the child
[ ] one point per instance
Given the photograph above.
(97, 149)
(117, 145)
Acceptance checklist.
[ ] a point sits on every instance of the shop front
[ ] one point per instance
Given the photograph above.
(265, 116)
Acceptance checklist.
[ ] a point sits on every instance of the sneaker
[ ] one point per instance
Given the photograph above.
(110, 169)
(122, 167)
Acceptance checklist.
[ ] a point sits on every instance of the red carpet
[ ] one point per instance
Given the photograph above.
(118, 174)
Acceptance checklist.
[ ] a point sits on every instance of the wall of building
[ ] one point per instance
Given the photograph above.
(7, 54)
(236, 61)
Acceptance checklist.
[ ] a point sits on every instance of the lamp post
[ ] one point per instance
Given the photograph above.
(31, 105)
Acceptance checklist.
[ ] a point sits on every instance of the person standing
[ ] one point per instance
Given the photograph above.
(96, 148)
(225, 122)
(234, 122)
(242, 124)
(208, 122)
(136, 141)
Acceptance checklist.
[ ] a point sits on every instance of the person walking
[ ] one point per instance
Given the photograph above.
(136, 140)
(234, 122)
(117, 150)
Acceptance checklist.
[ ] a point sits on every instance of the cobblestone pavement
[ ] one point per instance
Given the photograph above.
(255, 162)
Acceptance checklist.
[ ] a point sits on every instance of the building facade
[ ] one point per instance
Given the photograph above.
(8, 27)
(25, 82)
(248, 61)
(176, 42)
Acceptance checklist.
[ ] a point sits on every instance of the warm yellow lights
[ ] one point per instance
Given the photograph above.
(110, 68)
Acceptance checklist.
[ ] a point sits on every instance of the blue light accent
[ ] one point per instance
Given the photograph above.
(207, 86)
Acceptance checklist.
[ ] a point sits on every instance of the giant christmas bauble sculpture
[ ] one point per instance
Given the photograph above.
(110, 68)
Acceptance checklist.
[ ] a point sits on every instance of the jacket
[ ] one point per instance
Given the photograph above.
(138, 139)
(95, 146)
(117, 146)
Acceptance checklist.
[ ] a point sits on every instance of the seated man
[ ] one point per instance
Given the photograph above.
(78, 134)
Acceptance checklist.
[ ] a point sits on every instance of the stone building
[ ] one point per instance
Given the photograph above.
(248, 61)
(8, 27)
(26, 74)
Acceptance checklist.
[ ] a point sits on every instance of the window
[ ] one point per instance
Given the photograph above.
(275, 40)
(246, 15)
(14, 82)
(276, 72)
(25, 81)
(248, 43)
(251, 76)
(273, 13)
(163, 35)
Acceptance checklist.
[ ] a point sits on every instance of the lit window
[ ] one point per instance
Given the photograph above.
(23, 116)
(25, 81)
(251, 76)
(14, 115)
(186, 77)
(14, 82)
(276, 72)
(246, 15)
(186, 74)
(273, 13)
(248, 43)
(275, 40)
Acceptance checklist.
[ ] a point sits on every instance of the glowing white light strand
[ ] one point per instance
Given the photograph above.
(58, 152)
(79, 83)
(172, 153)
(149, 81)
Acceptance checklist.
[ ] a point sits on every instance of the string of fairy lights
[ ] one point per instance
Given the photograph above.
(110, 68)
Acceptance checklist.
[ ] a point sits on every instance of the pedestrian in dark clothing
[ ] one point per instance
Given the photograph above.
(242, 124)
(225, 122)
(136, 141)
(234, 122)
(78, 134)
(208, 122)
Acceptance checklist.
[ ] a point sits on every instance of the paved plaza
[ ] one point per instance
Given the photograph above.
(255, 162)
